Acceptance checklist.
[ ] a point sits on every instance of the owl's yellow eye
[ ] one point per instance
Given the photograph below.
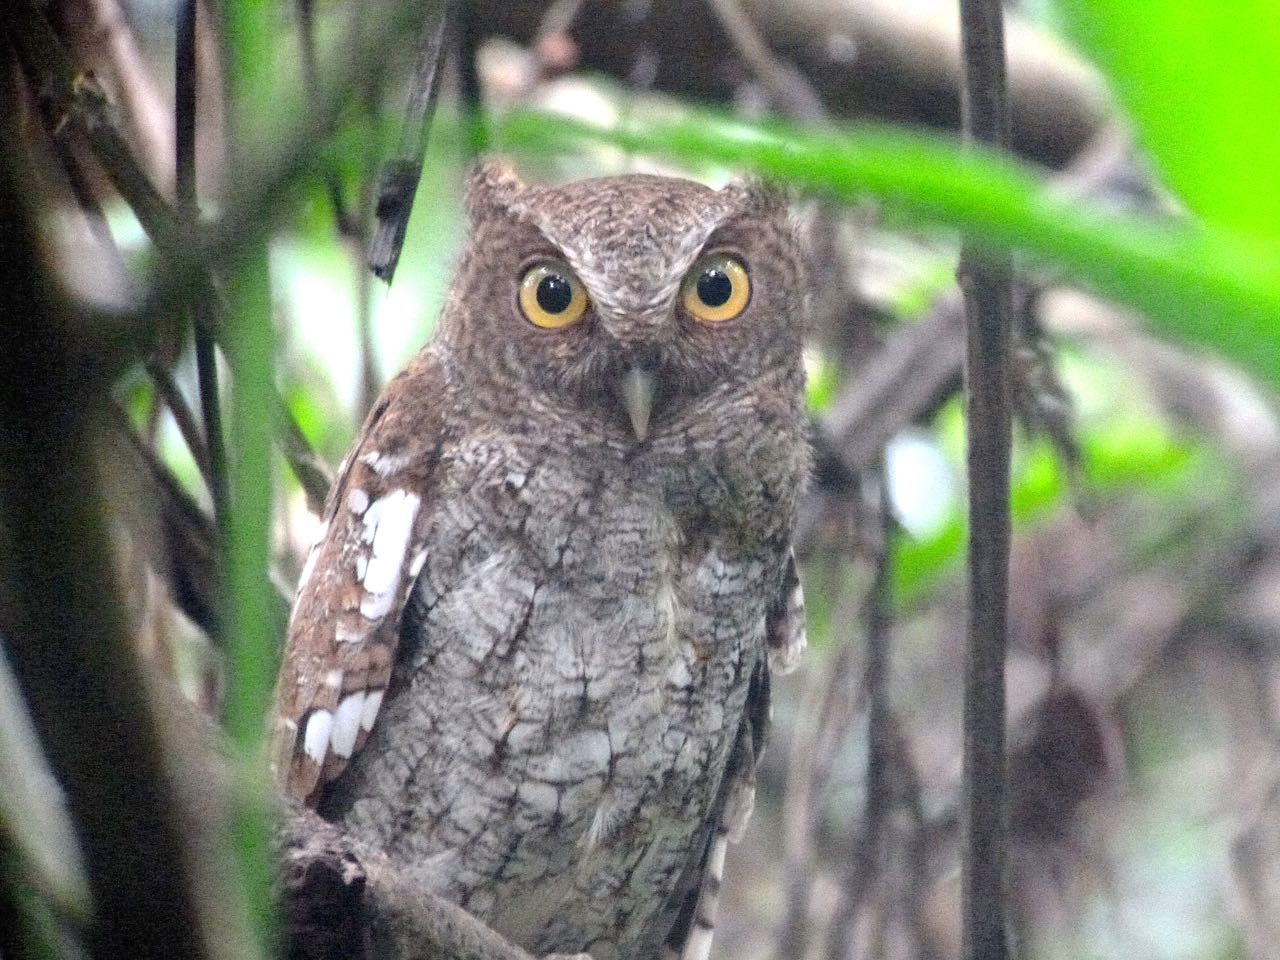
(716, 289)
(551, 296)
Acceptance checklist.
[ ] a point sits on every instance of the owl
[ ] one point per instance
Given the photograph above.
(530, 653)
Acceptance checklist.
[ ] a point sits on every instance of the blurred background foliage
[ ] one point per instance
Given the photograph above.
(1142, 199)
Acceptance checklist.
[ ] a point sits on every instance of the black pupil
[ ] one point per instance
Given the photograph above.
(714, 287)
(554, 293)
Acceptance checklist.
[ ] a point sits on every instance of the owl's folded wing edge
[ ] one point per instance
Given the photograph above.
(345, 627)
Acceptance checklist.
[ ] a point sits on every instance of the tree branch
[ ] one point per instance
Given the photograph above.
(894, 62)
(789, 89)
(343, 899)
(987, 284)
(64, 624)
(188, 209)
(398, 182)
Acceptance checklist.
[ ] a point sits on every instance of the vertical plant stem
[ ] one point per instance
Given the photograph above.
(189, 214)
(253, 647)
(986, 282)
(249, 32)
(65, 626)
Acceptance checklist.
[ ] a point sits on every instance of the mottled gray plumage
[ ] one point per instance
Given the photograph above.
(530, 654)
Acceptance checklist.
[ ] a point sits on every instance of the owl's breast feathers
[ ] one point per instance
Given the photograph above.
(686, 696)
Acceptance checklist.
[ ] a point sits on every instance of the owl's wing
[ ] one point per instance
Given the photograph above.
(697, 897)
(345, 625)
(785, 637)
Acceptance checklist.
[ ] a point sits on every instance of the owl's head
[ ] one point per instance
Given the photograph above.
(630, 298)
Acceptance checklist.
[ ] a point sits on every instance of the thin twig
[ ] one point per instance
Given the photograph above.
(313, 473)
(357, 245)
(185, 113)
(211, 413)
(789, 88)
(398, 183)
(353, 228)
(94, 215)
(168, 392)
(467, 35)
(187, 553)
(863, 867)
(69, 99)
(311, 76)
(832, 703)
(101, 28)
(986, 282)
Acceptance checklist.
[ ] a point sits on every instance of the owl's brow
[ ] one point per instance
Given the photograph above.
(630, 277)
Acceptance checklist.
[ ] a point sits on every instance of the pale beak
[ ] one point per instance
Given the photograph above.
(636, 388)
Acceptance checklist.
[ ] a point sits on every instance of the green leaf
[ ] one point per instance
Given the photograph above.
(1202, 82)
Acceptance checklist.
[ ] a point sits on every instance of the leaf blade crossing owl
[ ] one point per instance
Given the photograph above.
(529, 658)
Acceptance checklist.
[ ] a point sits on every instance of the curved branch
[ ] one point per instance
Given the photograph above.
(343, 899)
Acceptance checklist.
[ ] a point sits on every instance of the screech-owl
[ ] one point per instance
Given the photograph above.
(531, 649)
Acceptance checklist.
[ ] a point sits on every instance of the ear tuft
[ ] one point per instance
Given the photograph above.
(492, 184)
(758, 195)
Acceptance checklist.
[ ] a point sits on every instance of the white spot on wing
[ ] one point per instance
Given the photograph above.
(333, 679)
(385, 464)
(316, 740)
(375, 606)
(372, 704)
(785, 651)
(784, 659)
(345, 633)
(346, 723)
(415, 566)
(357, 501)
(388, 525)
(737, 812)
(698, 946)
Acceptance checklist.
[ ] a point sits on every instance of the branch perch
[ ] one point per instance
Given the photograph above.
(343, 899)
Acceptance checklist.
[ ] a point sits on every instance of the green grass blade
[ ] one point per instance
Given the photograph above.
(250, 34)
